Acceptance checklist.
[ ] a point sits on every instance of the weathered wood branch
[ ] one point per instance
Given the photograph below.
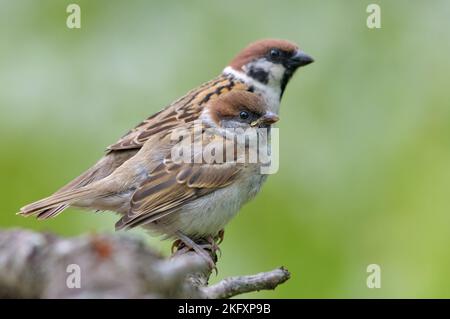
(35, 265)
(234, 286)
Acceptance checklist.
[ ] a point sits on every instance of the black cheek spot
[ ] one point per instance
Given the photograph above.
(259, 74)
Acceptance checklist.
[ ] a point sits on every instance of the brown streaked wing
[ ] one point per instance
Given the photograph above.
(171, 186)
(183, 110)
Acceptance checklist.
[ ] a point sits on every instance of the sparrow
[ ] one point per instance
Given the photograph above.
(135, 177)
(188, 199)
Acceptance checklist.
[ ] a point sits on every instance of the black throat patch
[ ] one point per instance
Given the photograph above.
(285, 80)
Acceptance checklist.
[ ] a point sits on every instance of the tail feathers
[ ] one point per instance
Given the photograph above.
(79, 182)
(52, 212)
(53, 205)
(84, 179)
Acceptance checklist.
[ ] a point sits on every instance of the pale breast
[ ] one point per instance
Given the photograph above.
(209, 214)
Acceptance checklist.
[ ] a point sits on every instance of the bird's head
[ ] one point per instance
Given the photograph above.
(271, 62)
(241, 109)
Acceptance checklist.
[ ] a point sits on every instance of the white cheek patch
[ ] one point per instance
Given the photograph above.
(275, 71)
(276, 74)
(262, 64)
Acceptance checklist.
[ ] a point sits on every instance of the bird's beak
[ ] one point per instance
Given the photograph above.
(299, 59)
(267, 119)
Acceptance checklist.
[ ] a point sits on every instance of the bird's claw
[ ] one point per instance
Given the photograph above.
(185, 244)
(220, 236)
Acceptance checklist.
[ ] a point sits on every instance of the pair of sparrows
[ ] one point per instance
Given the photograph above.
(189, 202)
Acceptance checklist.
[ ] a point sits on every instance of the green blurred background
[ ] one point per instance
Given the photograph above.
(365, 131)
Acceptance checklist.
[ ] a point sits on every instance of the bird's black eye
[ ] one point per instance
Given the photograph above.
(275, 53)
(244, 115)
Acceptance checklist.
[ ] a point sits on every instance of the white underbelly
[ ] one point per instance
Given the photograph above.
(209, 214)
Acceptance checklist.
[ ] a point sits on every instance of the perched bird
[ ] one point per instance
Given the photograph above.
(190, 201)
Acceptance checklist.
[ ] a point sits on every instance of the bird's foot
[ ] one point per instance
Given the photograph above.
(205, 249)
(220, 236)
(179, 247)
(213, 245)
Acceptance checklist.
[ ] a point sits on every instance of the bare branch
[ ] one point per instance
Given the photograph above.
(233, 286)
